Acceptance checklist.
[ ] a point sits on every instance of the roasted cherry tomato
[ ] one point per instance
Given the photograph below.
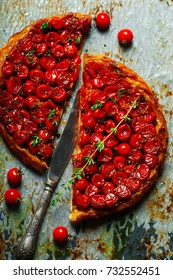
(14, 176)
(103, 20)
(60, 234)
(12, 196)
(125, 36)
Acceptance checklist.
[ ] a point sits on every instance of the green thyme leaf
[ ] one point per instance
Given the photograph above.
(97, 105)
(100, 145)
(44, 26)
(78, 40)
(89, 160)
(121, 91)
(134, 104)
(51, 114)
(36, 140)
(114, 130)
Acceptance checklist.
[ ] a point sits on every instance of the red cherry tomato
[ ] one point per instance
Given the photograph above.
(60, 234)
(43, 91)
(7, 69)
(23, 72)
(125, 36)
(29, 87)
(52, 39)
(142, 172)
(103, 20)
(107, 170)
(41, 49)
(58, 94)
(31, 102)
(70, 50)
(81, 184)
(12, 196)
(14, 176)
(36, 75)
(123, 149)
(98, 180)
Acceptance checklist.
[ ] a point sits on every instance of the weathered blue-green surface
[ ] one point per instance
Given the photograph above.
(145, 231)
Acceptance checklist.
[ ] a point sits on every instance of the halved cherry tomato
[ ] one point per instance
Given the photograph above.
(105, 155)
(46, 151)
(108, 187)
(23, 72)
(14, 85)
(56, 23)
(125, 36)
(81, 184)
(41, 49)
(43, 91)
(118, 177)
(36, 35)
(119, 162)
(123, 191)
(98, 180)
(58, 51)
(60, 234)
(47, 62)
(25, 44)
(103, 20)
(21, 137)
(29, 87)
(7, 69)
(150, 160)
(84, 138)
(16, 56)
(58, 94)
(91, 190)
(142, 172)
(123, 149)
(70, 50)
(51, 39)
(95, 137)
(82, 201)
(123, 132)
(50, 76)
(12, 196)
(31, 101)
(14, 176)
(31, 60)
(107, 170)
(36, 75)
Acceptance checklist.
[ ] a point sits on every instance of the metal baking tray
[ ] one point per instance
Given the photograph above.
(146, 230)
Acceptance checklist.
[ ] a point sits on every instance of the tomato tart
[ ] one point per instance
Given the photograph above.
(121, 143)
(38, 69)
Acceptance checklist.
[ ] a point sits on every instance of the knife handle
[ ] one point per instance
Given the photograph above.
(27, 246)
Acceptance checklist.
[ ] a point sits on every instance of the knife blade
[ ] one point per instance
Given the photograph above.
(59, 160)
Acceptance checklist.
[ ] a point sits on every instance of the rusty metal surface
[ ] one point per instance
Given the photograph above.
(146, 231)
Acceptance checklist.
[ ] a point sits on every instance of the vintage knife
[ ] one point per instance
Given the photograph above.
(59, 161)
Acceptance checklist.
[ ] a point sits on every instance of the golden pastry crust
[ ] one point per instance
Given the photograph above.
(135, 81)
(23, 152)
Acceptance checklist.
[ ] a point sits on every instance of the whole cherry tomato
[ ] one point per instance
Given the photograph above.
(103, 20)
(60, 234)
(70, 50)
(125, 36)
(12, 196)
(14, 176)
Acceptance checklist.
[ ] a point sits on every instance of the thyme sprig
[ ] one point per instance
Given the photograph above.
(89, 160)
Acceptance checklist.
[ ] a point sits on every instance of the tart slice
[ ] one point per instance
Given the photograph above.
(38, 69)
(122, 140)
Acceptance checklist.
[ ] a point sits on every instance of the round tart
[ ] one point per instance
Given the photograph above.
(122, 140)
(38, 69)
